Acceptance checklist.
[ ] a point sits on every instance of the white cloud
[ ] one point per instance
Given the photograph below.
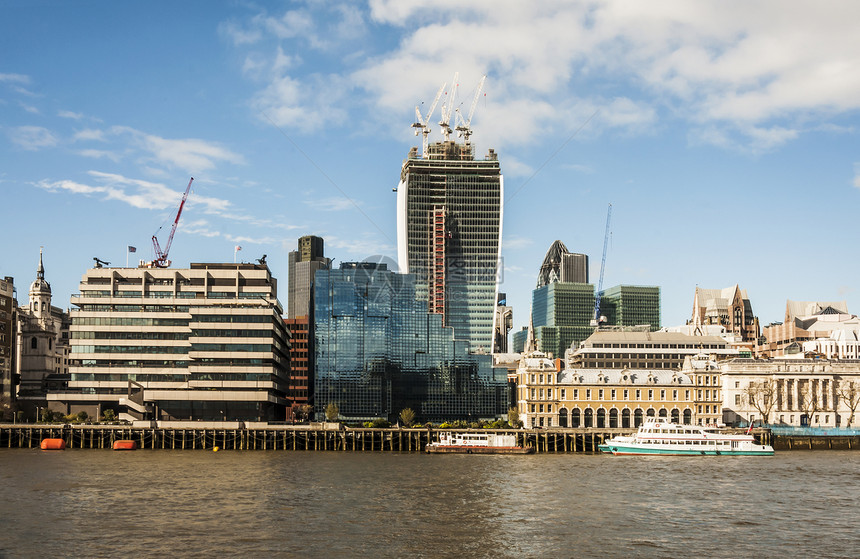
(30, 109)
(14, 78)
(32, 138)
(857, 175)
(99, 154)
(239, 35)
(360, 247)
(89, 134)
(189, 154)
(70, 114)
(516, 243)
(332, 204)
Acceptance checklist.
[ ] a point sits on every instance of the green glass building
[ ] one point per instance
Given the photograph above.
(631, 305)
(561, 315)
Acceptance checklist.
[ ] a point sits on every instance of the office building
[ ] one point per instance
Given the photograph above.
(8, 320)
(449, 228)
(819, 328)
(561, 265)
(645, 350)
(502, 324)
(631, 305)
(302, 265)
(299, 384)
(378, 351)
(561, 315)
(201, 343)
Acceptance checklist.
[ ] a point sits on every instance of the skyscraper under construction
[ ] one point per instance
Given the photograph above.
(449, 229)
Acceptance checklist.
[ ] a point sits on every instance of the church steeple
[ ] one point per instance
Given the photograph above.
(40, 272)
(40, 292)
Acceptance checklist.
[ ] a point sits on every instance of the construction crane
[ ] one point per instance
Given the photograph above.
(422, 123)
(596, 321)
(463, 128)
(161, 260)
(448, 109)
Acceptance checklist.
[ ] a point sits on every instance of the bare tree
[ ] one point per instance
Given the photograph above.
(849, 392)
(808, 403)
(762, 396)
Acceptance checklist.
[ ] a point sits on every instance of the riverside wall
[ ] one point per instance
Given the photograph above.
(303, 438)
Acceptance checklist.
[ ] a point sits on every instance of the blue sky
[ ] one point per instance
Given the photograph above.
(725, 134)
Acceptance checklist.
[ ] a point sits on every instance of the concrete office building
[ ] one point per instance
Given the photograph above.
(303, 264)
(201, 343)
(645, 350)
(449, 230)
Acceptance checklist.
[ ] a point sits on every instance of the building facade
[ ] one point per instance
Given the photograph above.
(548, 396)
(300, 384)
(824, 329)
(559, 264)
(8, 329)
(379, 351)
(302, 266)
(645, 350)
(796, 392)
(631, 305)
(202, 343)
(42, 359)
(729, 307)
(502, 324)
(449, 229)
(561, 315)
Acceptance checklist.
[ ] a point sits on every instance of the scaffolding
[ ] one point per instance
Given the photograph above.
(438, 239)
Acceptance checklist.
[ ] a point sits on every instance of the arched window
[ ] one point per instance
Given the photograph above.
(625, 418)
(601, 418)
(663, 412)
(589, 417)
(676, 416)
(34, 343)
(613, 418)
(574, 418)
(562, 417)
(688, 416)
(43, 306)
(651, 412)
(637, 417)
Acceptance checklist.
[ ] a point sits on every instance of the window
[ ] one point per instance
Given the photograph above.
(549, 393)
(533, 379)
(675, 395)
(541, 379)
(737, 384)
(662, 394)
(576, 394)
(737, 399)
(34, 343)
(686, 394)
(626, 395)
(541, 393)
(540, 408)
(533, 394)
(533, 408)
(650, 394)
(600, 394)
(588, 394)
(638, 394)
(613, 393)
(563, 393)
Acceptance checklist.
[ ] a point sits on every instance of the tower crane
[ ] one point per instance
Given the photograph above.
(161, 260)
(448, 109)
(596, 321)
(422, 123)
(463, 128)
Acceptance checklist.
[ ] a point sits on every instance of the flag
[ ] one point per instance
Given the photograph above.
(132, 249)
(238, 247)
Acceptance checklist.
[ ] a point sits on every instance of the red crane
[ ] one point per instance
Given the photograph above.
(161, 260)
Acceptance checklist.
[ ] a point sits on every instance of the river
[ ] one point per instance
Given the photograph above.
(146, 503)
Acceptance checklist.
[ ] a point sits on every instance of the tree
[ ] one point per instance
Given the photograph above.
(808, 403)
(407, 416)
(8, 407)
(762, 396)
(514, 416)
(331, 412)
(47, 415)
(109, 415)
(849, 392)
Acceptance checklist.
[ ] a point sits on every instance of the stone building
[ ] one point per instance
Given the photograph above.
(799, 392)
(548, 396)
(8, 327)
(826, 329)
(729, 307)
(42, 359)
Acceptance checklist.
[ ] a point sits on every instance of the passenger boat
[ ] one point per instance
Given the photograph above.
(658, 436)
(477, 443)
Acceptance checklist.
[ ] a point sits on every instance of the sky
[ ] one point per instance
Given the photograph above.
(723, 133)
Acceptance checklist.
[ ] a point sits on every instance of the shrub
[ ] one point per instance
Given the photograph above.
(380, 423)
(407, 416)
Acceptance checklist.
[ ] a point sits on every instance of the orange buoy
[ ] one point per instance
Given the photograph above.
(124, 445)
(53, 444)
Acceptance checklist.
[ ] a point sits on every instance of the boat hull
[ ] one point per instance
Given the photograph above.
(459, 449)
(624, 450)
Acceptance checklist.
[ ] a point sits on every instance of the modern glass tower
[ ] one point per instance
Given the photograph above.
(631, 305)
(378, 351)
(449, 229)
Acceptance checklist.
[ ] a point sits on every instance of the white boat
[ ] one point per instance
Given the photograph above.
(477, 443)
(658, 436)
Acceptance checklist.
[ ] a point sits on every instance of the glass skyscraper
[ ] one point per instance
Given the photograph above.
(449, 228)
(561, 315)
(631, 305)
(378, 351)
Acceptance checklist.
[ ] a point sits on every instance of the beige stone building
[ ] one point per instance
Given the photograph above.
(645, 350)
(729, 307)
(616, 398)
(823, 328)
(798, 392)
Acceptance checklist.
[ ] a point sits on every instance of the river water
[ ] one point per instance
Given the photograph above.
(91, 503)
